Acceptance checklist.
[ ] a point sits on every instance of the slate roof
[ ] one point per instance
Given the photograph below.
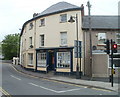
(101, 22)
(58, 7)
(54, 9)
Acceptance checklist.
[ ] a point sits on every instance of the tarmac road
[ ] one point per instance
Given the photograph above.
(15, 83)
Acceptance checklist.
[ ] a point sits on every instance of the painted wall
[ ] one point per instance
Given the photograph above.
(51, 32)
(109, 35)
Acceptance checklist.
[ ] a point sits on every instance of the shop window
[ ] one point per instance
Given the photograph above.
(118, 38)
(41, 59)
(101, 38)
(63, 59)
(30, 58)
(63, 18)
(63, 38)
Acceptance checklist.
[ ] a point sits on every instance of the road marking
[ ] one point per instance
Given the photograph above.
(68, 90)
(15, 77)
(43, 87)
(5, 93)
(59, 81)
(101, 89)
(54, 90)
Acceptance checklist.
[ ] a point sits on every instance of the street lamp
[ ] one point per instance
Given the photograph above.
(78, 75)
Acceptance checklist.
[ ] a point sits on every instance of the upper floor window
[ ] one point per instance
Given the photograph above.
(118, 38)
(101, 38)
(41, 40)
(30, 42)
(63, 18)
(63, 38)
(30, 26)
(42, 22)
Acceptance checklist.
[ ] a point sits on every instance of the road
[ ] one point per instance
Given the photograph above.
(15, 83)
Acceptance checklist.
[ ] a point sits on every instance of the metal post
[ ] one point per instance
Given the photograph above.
(77, 67)
(111, 63)
(89, 6)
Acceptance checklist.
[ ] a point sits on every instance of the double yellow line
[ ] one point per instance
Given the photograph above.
(4, 92)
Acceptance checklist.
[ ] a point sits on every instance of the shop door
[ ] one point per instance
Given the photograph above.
(51, 61)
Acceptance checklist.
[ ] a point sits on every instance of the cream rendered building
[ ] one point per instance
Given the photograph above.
(47, 40)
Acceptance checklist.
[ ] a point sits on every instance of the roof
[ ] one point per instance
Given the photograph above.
(60, 6)
(54, 9)
(101, 22)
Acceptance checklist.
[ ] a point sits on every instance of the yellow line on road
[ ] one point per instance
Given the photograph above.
(82, 86)
(46, 78)
(5, 92)
(101, 89)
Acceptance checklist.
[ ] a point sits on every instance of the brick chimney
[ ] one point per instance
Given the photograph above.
(35, 14)
(82, 11)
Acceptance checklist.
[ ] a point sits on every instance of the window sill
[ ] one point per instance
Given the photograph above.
(65, 45)
(30, 65)
(101, 45)
(63, 21)
(64, 67)
(41, 25)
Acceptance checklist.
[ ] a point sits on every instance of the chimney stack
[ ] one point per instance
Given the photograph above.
(35, 14)
(82, 11)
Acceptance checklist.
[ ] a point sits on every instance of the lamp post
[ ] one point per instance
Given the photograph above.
(78, 74)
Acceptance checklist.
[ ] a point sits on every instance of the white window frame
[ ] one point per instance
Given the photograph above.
(42, 59)
(30, 40)
(42, 22)
(117, 38)
(62, 61)
(30, 59)
(63, 18)
(30, 26)
(63, 39)
(42, 41)
(104, 37)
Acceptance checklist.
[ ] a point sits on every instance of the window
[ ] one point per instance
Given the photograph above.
(101, 38)
(42, 22)
(30, 40)
(116, 61)
(63, 18)
(63, 59)
(63, 38)
(30, 55)
(25, 45)
(41, 59)
(118, 38)
(30, 26)
(41, 40)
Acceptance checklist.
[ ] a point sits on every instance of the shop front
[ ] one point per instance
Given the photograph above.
(54, 59)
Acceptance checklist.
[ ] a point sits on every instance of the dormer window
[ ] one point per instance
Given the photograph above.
(30, 26)
(63, 18)
(42, 22)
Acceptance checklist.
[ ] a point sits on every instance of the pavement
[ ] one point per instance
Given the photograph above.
(85, 81)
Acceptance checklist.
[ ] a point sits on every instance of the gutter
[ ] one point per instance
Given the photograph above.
(66, 10)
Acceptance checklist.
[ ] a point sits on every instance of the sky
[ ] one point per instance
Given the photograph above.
(14, 13)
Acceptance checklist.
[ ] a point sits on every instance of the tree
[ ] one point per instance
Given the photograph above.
(10, 46)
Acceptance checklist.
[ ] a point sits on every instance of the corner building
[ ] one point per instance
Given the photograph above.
(47, 40)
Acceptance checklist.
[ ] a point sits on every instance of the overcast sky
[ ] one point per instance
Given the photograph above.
(13, 13)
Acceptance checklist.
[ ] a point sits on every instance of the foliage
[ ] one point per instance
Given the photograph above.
(10, 46)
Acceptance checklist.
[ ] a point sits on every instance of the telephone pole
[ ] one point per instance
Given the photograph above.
(90, 29)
